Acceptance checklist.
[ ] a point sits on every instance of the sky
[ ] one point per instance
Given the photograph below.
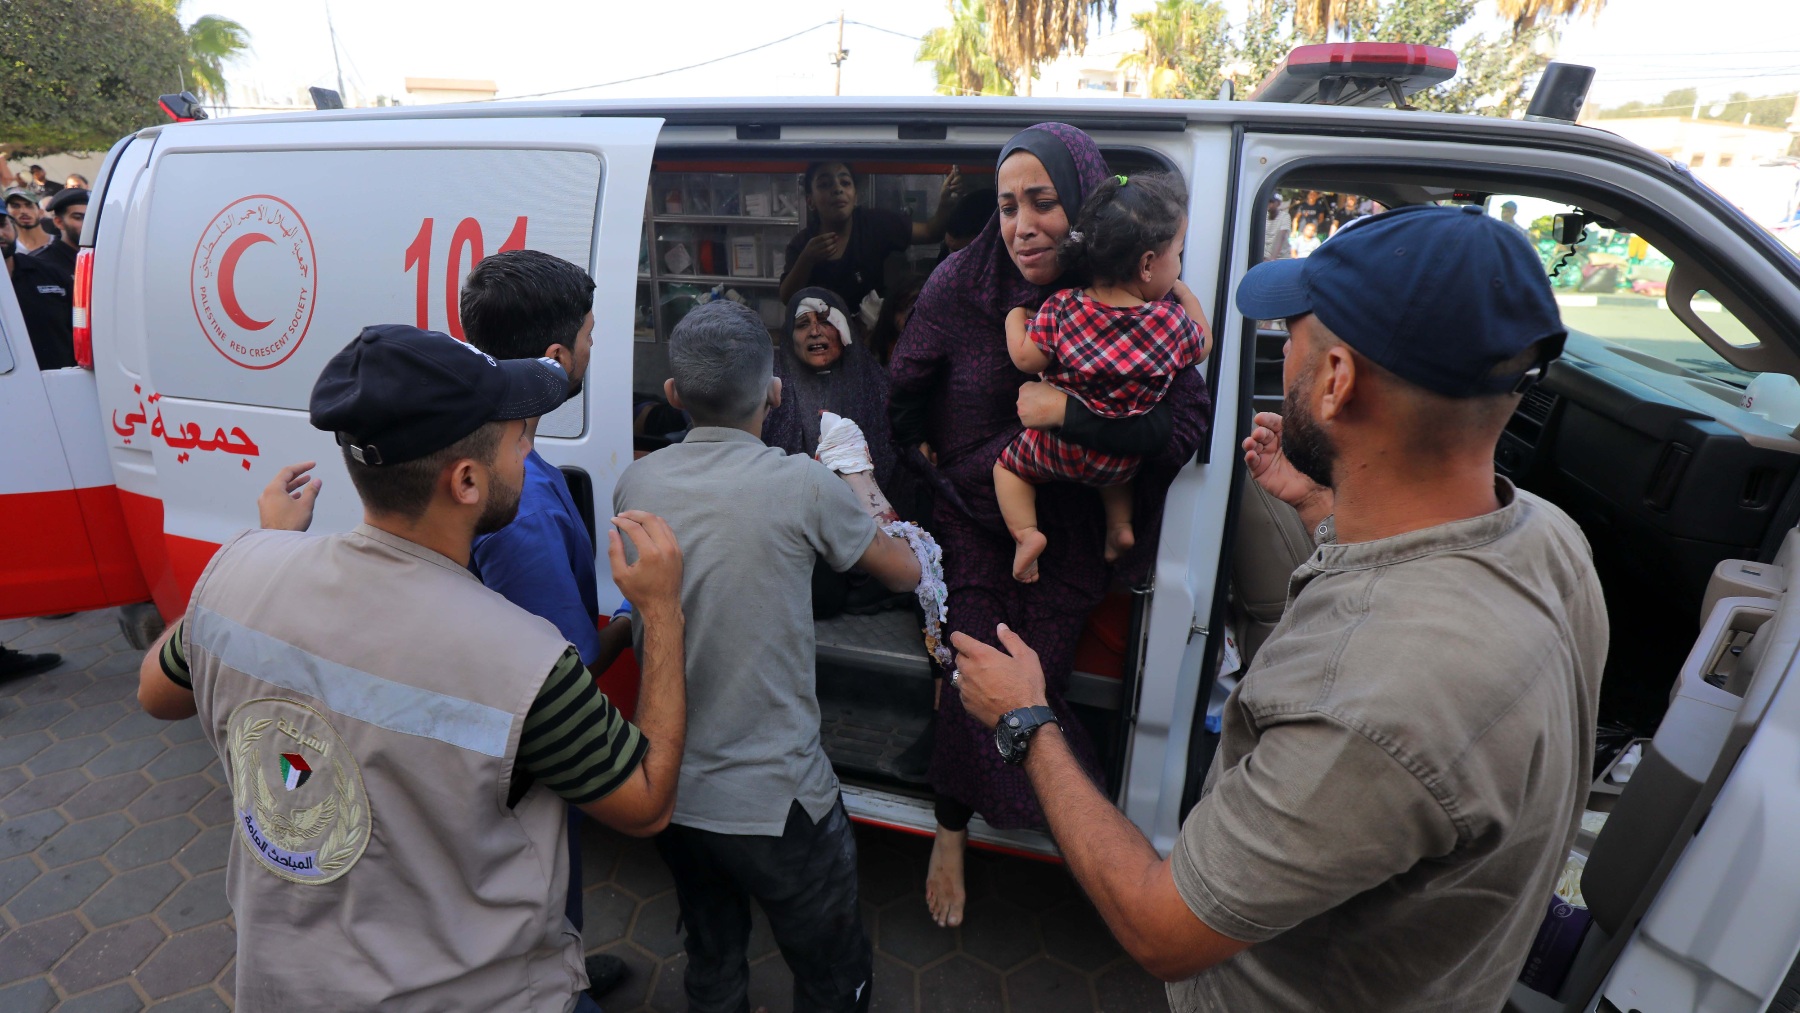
(1641, 48)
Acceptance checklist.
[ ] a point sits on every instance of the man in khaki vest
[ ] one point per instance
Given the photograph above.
(400, 740)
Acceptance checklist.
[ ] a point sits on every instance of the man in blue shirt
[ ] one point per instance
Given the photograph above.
(524, 304)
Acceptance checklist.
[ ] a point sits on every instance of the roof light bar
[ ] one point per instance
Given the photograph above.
(1357, 74)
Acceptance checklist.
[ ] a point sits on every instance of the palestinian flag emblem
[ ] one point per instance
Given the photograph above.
(294, 770)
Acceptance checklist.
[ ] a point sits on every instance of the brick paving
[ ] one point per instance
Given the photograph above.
(114, 829)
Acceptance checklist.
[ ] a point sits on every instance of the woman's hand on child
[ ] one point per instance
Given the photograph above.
(1041, 406)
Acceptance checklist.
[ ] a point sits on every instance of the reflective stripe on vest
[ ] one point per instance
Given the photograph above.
(348, 691)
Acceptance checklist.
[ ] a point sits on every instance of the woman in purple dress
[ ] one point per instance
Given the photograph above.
(956, 402)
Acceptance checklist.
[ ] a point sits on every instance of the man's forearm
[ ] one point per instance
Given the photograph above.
(662, 698)
(1107, 854)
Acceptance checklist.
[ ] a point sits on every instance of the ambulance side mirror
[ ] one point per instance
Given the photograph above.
(1566, 229)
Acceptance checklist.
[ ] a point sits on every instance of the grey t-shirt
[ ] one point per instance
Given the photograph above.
(1401, 771)
(750, 521)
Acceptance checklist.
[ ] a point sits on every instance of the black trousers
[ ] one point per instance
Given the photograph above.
(805, 882)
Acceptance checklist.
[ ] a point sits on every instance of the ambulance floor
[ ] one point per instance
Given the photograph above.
(114, 829)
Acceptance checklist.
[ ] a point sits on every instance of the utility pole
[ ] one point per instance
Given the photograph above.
(838, 55)
(332, 29)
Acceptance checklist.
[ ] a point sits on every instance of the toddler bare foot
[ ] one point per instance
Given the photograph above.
(944, 892)
(1119, 540)
(1031, 545)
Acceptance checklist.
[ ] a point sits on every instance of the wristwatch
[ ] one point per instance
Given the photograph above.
(1012, 735)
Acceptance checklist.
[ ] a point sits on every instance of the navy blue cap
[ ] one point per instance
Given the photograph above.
(1439, 296)
(397, 393)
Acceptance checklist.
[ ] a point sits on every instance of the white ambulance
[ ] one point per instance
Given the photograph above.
(223, 262)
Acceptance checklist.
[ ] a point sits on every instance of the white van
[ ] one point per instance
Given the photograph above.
(223, 262)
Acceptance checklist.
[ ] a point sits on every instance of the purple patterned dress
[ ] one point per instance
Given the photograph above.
(954, 350)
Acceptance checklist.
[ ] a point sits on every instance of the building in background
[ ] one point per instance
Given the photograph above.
(433, 90)
(1756, 168)
(1095, 73)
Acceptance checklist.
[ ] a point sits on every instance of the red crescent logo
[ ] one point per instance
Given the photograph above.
(228, 300)
(282, 281)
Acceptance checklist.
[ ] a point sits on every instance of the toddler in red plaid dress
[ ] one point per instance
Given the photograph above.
(1115, 346)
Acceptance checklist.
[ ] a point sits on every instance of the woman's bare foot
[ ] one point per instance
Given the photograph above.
(1119, 540)
(1031, 543)
(944, 892)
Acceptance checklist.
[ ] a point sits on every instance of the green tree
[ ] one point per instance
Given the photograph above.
(77, 75)
(1177, 34)
(962, 55)
(1025, 33)
(1491, 72)
(212, 42)
(1525, 14)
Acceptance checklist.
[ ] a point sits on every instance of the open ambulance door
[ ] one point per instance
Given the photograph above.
(65, 544)
(246, 254)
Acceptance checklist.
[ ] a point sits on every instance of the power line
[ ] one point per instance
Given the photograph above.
(1689, 105)
(672, 70)
(890, 31)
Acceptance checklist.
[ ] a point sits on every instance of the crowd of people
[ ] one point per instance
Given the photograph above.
(40, 229)
(40, 235)
(1297, 224)
(410, 710)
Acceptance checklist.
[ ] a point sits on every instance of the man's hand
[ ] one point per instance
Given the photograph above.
(1041, 406)
(1270, 467)
(952, 184)
(993, 683)
(286, 503)
(654, 581)
(824, 246)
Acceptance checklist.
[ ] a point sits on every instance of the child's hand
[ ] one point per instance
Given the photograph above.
(1019, 316)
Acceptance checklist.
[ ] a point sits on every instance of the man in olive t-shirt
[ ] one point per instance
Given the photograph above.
(1402, 767)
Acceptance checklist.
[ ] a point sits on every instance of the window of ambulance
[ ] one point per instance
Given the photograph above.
(1611, 285)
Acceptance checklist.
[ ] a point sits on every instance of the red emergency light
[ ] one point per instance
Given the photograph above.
(183, 107)
(84, 298)
(1357, 74)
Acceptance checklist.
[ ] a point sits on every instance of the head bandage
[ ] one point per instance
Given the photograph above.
(819, 307)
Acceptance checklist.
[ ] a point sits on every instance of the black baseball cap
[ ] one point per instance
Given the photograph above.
(67, 196)
(1439, 296)
(397, 393)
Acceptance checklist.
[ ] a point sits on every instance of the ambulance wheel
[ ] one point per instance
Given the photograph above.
(141, 624)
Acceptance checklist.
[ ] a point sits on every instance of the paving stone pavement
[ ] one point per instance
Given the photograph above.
(113, 835)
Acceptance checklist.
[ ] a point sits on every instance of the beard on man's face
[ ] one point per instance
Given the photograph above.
(502, 506)
(1305, 443)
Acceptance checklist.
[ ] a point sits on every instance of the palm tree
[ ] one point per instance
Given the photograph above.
(1025, 33)
(213, 41)
(962, 56)
(1176, 33)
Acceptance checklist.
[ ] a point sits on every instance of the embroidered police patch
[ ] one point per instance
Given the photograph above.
(317, 828)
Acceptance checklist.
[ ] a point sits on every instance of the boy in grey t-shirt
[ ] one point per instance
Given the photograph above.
(758, 813)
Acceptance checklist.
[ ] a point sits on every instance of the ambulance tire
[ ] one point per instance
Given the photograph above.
(141, 624)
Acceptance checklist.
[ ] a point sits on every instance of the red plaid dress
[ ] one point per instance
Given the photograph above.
(1118, 361)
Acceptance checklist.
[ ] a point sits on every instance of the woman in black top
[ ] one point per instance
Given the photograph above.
(844, 247)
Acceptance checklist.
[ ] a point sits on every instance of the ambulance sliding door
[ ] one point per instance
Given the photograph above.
(266, 247)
